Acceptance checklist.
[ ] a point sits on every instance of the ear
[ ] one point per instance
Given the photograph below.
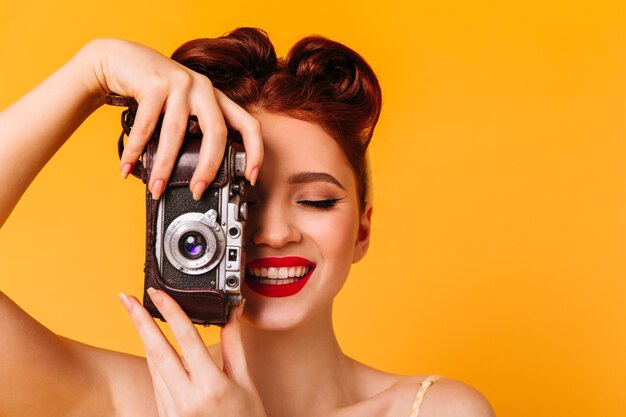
(362, 242)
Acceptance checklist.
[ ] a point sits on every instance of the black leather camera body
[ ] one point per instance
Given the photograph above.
(194, 249)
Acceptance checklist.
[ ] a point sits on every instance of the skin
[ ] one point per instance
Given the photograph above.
(278, 356)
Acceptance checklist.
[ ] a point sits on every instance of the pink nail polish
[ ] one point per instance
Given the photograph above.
(198, 189)
(125, 301)
(253, 175)
(154, 295)
(126, 170)
(157, 189)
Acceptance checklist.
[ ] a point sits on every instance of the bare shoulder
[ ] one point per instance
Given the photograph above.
(43, 368)
(126, 376)
(385, 394)
(448, 397)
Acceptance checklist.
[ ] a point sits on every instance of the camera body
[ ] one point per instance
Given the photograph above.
(194, 249)
(198, 245)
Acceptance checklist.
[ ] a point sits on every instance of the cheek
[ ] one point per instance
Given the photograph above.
(334, 234)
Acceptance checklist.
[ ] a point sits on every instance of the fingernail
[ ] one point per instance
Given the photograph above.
(157, 189)
(198, 189)
(125, 301)
(240, 309)
(126, 170)
(253, 174)
(154, 295)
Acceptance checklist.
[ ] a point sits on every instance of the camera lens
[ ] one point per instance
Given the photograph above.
(192, 245)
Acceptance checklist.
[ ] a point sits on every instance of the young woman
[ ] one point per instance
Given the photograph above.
(308, 120)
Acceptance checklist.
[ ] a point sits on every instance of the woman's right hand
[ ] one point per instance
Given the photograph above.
(161, 85)
(65, 99)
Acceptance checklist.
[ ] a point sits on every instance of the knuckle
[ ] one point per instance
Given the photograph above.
(207, 388)
(218, 133)
(157, 355)
(216, 392)
(159, 169)
(174, 130)
(141, 130)
(183, 80)
(251, 129)
(186, 338)
(252, 124)
(139, 324)
(195, 403)
(156, 83)
(203, 81)
(208, 169)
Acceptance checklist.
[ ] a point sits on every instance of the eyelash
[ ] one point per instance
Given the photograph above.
(317, 204)
(320, 204)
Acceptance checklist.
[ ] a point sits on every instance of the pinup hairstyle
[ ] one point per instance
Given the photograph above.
(319, 81)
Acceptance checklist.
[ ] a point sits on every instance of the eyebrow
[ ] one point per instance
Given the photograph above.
(305, 177)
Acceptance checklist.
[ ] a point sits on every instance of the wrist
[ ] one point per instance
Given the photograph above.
(87, 66)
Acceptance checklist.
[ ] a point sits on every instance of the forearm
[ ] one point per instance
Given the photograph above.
(36, 126)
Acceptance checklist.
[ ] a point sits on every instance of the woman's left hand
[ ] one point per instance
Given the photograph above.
(193, 385)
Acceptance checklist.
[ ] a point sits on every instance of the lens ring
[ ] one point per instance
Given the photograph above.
(201, 223)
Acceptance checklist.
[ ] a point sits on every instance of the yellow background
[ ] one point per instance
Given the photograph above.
(499, 242)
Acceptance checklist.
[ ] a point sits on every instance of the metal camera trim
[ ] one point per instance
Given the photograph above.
(205, 224)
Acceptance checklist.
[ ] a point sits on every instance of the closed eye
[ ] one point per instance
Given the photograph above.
(320, 204)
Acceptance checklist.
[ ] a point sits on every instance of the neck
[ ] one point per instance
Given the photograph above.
(298, 371)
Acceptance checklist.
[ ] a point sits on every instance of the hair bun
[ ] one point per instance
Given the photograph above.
(319, 60)
(237, 63)
(331, 73)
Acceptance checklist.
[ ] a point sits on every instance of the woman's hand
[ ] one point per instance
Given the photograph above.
(65, 99)
(193, 385)
(161, 85)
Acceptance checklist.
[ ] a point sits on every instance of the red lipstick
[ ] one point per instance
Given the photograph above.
(279, 290)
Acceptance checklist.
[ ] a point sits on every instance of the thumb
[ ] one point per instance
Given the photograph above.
(233, 354)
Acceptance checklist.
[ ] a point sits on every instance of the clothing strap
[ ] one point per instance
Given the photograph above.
(417, 403)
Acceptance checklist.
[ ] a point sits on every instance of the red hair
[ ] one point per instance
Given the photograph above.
(320, 81)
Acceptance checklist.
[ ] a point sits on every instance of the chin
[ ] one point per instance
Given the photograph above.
(264, 316)
(279, 314)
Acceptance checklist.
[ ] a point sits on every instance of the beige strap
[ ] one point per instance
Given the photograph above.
(417, 403)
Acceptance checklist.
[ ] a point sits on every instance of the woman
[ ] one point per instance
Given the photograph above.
(308, 119)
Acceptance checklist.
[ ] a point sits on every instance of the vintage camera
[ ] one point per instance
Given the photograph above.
(194, 249)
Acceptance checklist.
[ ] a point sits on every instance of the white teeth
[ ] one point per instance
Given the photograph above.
(275, 281)
(284, 274)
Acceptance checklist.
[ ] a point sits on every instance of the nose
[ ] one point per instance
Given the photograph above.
(272, 225)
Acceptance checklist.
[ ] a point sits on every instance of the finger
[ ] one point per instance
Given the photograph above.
(170, 140)
(235, 365)
(165, 359)
(163, 396)
(213, 126)
(147, 116)
(197, 357)
(250, 128)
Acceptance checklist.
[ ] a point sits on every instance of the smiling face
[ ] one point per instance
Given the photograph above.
(304, 229)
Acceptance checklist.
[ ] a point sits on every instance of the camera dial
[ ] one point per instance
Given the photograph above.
(194, 243)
